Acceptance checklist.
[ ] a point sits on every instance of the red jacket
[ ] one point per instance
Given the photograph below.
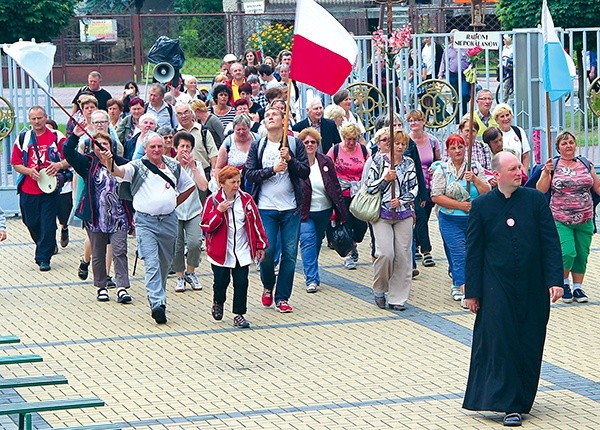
(215, 225)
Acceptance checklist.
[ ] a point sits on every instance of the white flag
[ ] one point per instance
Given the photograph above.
(36, 59)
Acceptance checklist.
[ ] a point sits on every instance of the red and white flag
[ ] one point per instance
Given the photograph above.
(323, 52)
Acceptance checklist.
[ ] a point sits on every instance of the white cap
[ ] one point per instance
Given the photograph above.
(229, 58)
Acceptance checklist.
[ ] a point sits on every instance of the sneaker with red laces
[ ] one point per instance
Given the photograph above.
(267, 297)
(284, 307)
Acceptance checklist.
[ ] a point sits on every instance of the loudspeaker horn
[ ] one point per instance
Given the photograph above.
(163, 72)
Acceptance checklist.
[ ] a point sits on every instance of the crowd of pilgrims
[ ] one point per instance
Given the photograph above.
(208, 130)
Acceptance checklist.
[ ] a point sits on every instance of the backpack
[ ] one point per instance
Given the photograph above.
(336, 151)
(537, 172)
(517, 131)
(169, 109)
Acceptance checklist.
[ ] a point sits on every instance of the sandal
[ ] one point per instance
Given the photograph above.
(123, 296)
(102, 295)
(428, 260)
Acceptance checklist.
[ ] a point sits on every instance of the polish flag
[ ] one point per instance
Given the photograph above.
(323, 52)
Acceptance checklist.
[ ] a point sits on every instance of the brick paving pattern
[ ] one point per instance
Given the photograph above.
(337, 362)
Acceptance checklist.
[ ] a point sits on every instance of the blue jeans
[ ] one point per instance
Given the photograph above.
(312, 232)
(454, 231)
(285, 227)
(156, 245)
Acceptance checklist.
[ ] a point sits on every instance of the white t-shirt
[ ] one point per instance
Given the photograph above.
(511, 143)
(319, 200)
(192, 206)
(156, 196)
(238, 247)
(427, 56)
(276, 192)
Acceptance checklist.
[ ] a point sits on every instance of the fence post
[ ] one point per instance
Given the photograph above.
(138, 53)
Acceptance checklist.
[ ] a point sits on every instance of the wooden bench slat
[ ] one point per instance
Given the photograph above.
(32, 381)
(9, 339)
(49, 405)
(23, 358)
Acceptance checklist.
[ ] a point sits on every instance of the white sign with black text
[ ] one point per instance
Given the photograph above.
(483, 39)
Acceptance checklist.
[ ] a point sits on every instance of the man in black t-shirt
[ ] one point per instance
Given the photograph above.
(94, 82)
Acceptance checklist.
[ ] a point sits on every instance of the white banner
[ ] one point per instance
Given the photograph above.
(483, 39)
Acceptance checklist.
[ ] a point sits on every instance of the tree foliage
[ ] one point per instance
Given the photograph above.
(39, 19)
(198, 6)
(105, 6)
(565, 13)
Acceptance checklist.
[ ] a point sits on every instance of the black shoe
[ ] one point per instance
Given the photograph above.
(217, 311)
(44, 266)
(397, 307)
(512, 420)
(380, 302)
(123, 296)
(84, 269)
(64, 237)
(110, 283)
(159, 314)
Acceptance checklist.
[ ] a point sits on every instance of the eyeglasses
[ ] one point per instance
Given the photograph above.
(99, 122)
(310, 142)
(383, 139)
(187, 112)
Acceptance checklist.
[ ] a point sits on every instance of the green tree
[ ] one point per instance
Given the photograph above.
(565, 13)
(105, 6)
(39, 19)
(198, 6)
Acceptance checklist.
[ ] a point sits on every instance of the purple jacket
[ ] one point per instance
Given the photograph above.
(332, 188)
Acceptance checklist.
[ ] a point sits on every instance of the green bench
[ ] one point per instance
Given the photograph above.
(9, 339)
(23, 358)
(25, 409)
(32, 381)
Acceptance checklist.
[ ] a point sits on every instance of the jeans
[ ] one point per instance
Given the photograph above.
(118, 242)
(240, 286)
(39, 216)
(156, 245)
(188, 233)
(421, 229)
(285, 226)
(312, 232)
(454, 231)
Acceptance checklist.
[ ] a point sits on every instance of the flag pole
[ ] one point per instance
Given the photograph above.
(391, 101)
(286, 117)
(471, 128)
(548, 124)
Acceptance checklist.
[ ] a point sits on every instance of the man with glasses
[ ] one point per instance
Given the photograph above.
(205, 149)
(483, 114)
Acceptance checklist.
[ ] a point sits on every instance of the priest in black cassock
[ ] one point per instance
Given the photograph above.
(513, 271)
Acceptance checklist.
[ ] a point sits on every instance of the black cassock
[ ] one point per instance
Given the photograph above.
(513, 257)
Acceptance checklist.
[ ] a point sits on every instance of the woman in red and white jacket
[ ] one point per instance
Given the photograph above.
(235, 237)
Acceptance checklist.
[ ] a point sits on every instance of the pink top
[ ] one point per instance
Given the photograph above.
(427, 156)
(348, 168)
(571, 201)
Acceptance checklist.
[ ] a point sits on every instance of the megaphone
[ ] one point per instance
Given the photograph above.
(163, 72)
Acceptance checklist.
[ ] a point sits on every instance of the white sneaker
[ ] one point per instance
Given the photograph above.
(312, 288)
(456, 293)
(349, 263)
(180, 285)
(463, 303)
(191, 279)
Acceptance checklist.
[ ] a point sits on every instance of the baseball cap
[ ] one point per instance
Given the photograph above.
(229, 58)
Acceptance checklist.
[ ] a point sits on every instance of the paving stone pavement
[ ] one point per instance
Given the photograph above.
(337, 362)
